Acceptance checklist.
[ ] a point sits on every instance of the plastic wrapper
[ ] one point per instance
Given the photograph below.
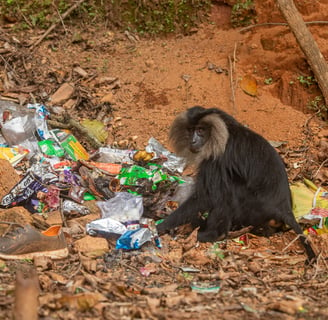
(23, 190)
(69, 143)
(106, 228)
(123, 207)
(141, 178)
(173, 162)
(70, 207)
(111, 168)
(109, 155)
(310, 203)
(44, 172)
(205, 287)
(3, 142)
(133, 239)
(134, 175)
(150, 224)
(96, 129)
(77, 193)
(50, 148)
(319, 229)
(13, 154)
(40, 116)
(20, 131)
(19, 125)
(129, 176)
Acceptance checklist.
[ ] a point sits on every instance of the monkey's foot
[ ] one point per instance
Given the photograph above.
(209, 236)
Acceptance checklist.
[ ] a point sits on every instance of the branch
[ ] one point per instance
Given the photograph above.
(278, 24)
(54, 25)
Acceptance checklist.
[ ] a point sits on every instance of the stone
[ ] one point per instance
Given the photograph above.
(63, 93)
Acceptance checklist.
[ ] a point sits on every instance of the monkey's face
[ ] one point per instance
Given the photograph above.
(198, 136)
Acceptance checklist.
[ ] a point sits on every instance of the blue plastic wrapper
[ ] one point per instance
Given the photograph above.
(133, 239)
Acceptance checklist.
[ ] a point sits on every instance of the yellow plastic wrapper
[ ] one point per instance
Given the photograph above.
(309, 201)
(96, 129)
(13, 154)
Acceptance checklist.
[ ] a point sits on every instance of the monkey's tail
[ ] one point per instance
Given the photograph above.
(290, 220)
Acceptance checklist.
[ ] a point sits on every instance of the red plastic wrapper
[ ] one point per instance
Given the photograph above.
(111, 168)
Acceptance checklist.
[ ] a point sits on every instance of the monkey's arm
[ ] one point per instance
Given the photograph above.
(188, 212)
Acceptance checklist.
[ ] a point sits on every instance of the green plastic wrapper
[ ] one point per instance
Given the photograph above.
(51, 148)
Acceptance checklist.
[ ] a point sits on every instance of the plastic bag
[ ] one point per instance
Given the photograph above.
(173, 163)
(124, 207)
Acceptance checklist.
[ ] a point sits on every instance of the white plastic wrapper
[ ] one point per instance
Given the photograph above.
(109, 155)
(124, 207)
(173, 163)
(105, 227)
(71, 206)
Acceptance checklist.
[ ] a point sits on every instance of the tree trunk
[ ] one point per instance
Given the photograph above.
(307, 43)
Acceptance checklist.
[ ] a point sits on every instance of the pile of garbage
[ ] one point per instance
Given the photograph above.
(132, 188)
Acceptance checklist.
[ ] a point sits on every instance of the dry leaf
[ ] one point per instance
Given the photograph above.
(153, 303)
(57, 277)
(81, 301)
(287, 306)
(249, 85)
(196, 257)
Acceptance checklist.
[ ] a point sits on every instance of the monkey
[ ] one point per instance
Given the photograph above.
(240, 181)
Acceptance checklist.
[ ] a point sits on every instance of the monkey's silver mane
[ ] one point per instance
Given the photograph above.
(213, 148)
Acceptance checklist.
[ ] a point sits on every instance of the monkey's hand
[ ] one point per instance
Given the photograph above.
(162, 228)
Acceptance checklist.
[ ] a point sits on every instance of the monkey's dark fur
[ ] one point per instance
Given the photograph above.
(241, 180)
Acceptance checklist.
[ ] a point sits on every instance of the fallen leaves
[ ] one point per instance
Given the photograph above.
(249, 85)
(81, 301)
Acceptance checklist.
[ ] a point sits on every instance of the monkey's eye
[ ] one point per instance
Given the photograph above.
(200, 131)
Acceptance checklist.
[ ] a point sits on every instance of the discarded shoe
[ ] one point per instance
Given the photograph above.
(25, 242)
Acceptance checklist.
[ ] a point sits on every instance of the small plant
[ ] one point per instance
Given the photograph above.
(318, 106)
(144, 17)
(243, 13)
(306, 80)
(268, 81)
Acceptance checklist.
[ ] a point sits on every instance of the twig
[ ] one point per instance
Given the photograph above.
(123, 264)
(278, 24)
(233, 99)
(26, 20)
(72, 275)
(60, 17)
(238, 233)
(294, 240)
(54, 25)
(322, 164)
(73, 123)
(61, 210)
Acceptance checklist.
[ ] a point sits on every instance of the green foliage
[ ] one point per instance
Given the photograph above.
(151, 17)
(243, 13)
(215, 251)
(33, 13)
(306, 80)
(162, 16)
(318, 106)
(268, 81)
